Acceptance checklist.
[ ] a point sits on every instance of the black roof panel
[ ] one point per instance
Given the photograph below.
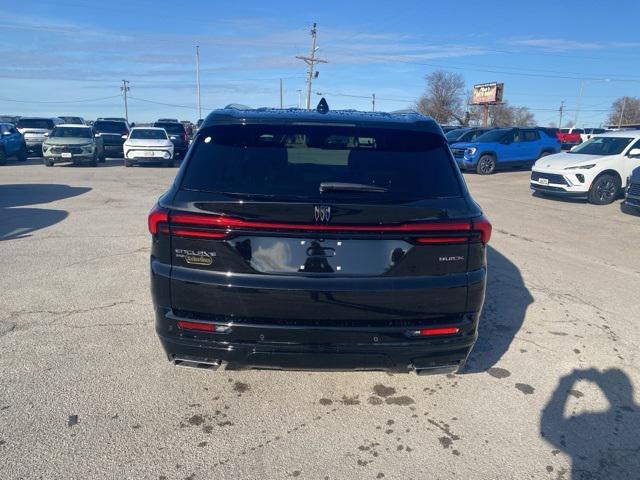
(411, 121)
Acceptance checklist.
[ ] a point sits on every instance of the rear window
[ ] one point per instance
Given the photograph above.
(148, 134)
(171, 127)
(293, 161)
(42, 123)
(107, 126)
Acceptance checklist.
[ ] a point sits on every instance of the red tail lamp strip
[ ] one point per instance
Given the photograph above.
(430, 332)
(201, 327)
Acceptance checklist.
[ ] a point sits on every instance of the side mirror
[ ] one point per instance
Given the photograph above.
(133, 124)
(46, 134)
(124, 137)
(634, 152)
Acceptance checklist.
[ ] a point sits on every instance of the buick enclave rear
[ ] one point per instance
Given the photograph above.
(309, 240)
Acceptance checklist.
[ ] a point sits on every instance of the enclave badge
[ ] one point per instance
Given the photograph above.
(322, 214)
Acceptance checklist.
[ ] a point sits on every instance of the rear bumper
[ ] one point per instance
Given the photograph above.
(320, 348)
(114, 149)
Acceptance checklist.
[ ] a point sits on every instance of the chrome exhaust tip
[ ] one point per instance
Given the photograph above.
(436, 369)
(200, 363)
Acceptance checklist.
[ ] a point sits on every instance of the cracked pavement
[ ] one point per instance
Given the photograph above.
(550, 390)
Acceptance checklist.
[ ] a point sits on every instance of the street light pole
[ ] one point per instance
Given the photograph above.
(198, 81)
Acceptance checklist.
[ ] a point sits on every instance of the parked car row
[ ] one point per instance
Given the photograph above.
(35, 130)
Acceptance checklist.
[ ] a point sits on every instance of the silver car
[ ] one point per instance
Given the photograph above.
(72, 143)
(35, 131)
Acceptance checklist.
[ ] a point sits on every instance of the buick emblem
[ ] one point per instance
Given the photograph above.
(322, 214)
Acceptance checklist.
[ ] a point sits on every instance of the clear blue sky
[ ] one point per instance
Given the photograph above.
(72, 50)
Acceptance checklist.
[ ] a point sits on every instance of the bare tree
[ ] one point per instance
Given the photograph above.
(504, 115)
(444, 97)
(631, 112)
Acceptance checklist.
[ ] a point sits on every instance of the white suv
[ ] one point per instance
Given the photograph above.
(597, 169)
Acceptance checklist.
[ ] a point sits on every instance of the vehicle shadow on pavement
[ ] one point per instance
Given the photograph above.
(506, 302)
(17, 222)
(601, 444)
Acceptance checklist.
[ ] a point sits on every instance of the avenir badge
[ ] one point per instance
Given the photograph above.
(193, 257)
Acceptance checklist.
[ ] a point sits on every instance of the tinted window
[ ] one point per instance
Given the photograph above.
(603, 146)
(564, 130)
(71, 132)
(530, 135)
(42, 123)
(578, 130)
(493, 135)
(290, 162)
(73, 120)
(598, 130)
(455, 134)
(148, 134)
(171, 127)
(107, 126)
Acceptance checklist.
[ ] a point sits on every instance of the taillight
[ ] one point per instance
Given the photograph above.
(157, 216)
(433, 331)
(483, 226)
(199, 326)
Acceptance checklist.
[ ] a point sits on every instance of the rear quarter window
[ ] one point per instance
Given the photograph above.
(290, 162)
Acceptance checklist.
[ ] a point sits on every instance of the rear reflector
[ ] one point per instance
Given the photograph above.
(157, 215)
(201, 327)
(432, 332)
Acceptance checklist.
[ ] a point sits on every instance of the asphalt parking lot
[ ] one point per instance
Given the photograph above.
(86, 392)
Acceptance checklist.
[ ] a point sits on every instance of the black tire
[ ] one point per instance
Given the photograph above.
(48, 163)
(102, 158)
(22, 154)
(604, 189)
(486, 165)
(127, 163)
(94, 160)
(169, 163)
(3, 157)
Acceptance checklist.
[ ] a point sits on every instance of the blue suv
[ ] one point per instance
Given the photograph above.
(504, 148)
(11, 143)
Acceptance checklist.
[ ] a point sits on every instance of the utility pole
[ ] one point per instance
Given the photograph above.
(561, 111)
(311, 61)
(624, 103)
(198, 81)
(280, 93)
(124, 89)
(373, 102)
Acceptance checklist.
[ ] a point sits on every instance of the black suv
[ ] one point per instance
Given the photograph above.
(337, 240)
(114, 133)
(178, 136)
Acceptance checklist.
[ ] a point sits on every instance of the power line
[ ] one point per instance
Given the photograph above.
(59, 101)
(499, 71)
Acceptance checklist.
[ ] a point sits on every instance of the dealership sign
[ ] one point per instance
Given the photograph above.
(487, 93)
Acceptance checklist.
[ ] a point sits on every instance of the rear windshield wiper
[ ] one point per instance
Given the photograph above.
(350, 187)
